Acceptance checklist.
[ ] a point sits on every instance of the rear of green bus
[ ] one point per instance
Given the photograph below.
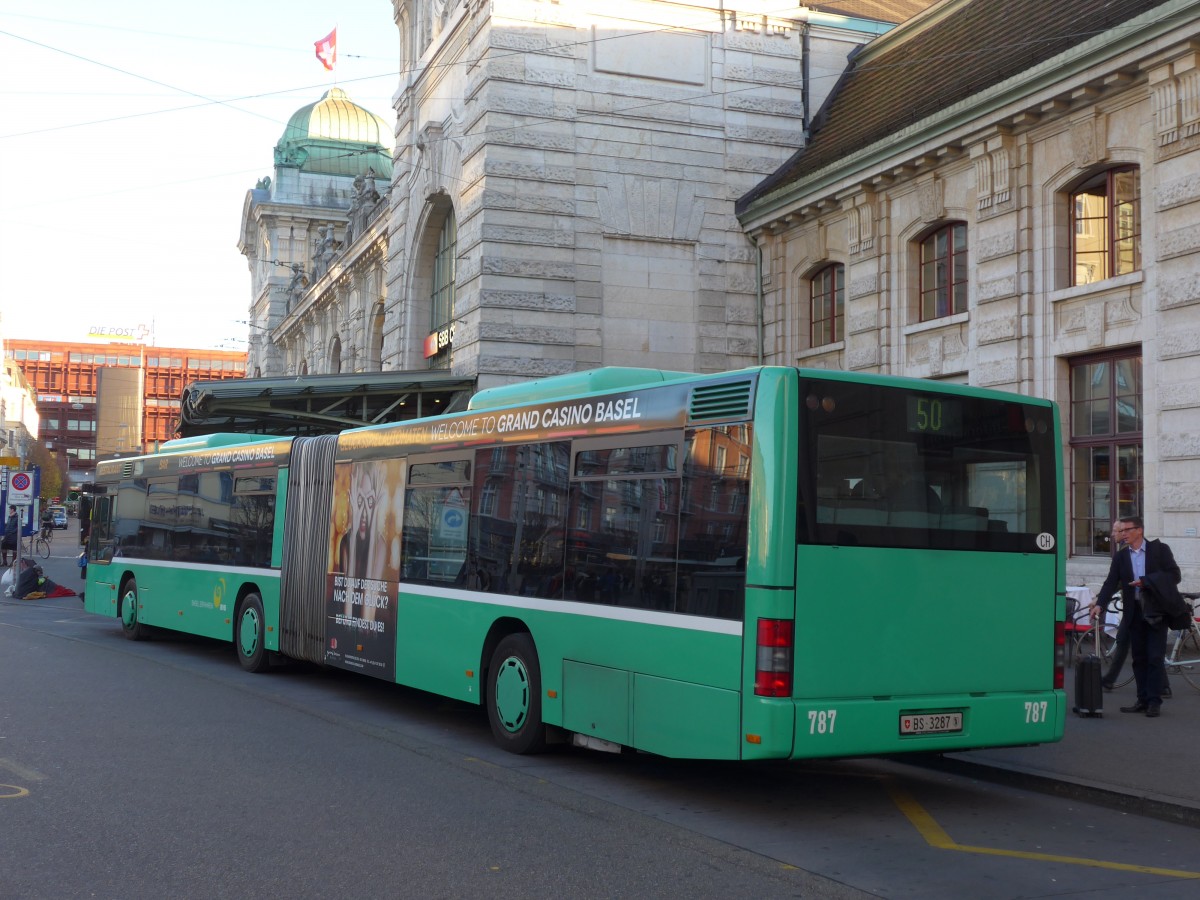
(910, 601)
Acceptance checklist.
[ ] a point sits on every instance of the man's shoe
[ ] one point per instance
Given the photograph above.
(1166, 694)
(1107, 685)
(1152, 712)
(1138, 707)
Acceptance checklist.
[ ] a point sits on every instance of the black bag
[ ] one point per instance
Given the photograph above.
(1089, 695)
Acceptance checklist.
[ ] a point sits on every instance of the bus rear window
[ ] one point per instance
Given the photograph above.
(893, 467)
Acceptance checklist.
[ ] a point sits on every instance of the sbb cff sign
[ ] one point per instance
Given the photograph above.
(439, 341)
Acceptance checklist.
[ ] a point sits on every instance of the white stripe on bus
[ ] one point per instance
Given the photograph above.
(597, 611)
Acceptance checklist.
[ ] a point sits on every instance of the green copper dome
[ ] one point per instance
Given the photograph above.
(335, 136)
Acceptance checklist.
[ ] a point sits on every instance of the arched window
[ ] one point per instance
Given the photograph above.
(441, 305)
(827, 307)
(335, 356)
(1106, 233)
(944, 272)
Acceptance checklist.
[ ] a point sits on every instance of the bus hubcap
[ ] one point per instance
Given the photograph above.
(129, 611)
(512, 694)
(249, 632)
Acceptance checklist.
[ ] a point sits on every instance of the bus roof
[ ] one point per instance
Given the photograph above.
(217, 439)
(609, 378)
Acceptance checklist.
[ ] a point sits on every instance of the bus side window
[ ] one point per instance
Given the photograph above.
(100, 540)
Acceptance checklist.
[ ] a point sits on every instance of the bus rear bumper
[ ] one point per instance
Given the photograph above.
(922, 724)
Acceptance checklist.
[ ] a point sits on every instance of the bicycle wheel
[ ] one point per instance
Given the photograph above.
(1188, 654)
(43, 548)
(1109, 645)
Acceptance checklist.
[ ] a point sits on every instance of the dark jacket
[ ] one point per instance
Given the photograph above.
(1160, 562)
(1161, 601)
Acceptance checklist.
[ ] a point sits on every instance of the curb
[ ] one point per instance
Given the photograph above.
(1155, 806)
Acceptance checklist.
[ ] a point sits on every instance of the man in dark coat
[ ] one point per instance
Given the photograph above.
(12, 531)
(1147, 640)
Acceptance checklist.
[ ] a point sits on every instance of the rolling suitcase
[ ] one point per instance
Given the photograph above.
(1089, 695)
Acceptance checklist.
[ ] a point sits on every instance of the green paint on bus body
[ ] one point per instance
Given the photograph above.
(896, 648)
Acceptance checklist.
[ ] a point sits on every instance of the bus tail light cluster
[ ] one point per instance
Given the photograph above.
(773, 658)
(1060, 654)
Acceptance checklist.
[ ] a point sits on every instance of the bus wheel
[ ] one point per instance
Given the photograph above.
(514, 701)
(132, 626)
(251, 635)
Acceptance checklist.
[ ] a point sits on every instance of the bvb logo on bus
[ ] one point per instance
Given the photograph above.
(218, 593)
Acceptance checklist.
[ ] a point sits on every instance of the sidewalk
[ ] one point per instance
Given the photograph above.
(1124, 760)
(63, 564)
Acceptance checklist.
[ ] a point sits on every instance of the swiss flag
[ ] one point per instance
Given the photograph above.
(327, 49)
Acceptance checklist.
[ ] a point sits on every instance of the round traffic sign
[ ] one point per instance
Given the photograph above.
(20, 481)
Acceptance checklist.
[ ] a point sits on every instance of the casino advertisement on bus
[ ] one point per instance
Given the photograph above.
(363, 568)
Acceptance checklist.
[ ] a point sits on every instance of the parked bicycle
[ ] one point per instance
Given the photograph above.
(36, 546)
(1184, 656)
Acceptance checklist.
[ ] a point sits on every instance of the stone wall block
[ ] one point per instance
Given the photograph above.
(1179, 396)
(1180, 343)
(523, 366)
(1177, 192)
(997, 289)
(527, 268)
(864, 285)
(995, 246)
(997, 329)
(1180, 445)
(995, 373)
(1176, 292)
(1176, 497)
(860, 320)
(525, 334)
(527, 300)
(1180, 242)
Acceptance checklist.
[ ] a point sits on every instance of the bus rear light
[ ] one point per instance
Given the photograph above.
(773, 658)
(1060, 655)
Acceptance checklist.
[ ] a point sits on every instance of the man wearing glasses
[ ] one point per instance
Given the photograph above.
(1138, 560)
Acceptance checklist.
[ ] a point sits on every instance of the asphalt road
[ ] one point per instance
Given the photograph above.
(161, 769)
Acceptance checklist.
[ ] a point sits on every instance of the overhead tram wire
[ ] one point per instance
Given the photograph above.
(490, 54)
(529, 123)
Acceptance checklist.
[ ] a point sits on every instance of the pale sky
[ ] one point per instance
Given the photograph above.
(130, 131)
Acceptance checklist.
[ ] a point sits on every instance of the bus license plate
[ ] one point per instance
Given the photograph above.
(930, 723)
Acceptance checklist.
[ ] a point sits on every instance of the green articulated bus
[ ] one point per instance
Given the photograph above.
(762, 564)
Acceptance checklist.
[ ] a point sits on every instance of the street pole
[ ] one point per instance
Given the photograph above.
(17, 559)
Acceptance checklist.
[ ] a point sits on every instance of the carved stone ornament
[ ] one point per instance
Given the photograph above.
(1088, 141)
(931, 198)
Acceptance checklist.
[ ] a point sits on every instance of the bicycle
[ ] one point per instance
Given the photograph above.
(1184, 657)
(36, 545)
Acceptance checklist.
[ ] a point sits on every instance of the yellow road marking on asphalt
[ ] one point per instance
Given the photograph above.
(21, 771)
(936, 836)
(11, 792)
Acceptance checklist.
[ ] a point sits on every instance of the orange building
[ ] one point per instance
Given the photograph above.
(65, 378)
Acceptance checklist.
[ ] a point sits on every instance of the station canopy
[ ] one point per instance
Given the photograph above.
(318, 404)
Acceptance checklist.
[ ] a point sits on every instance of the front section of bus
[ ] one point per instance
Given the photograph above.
(928, 570)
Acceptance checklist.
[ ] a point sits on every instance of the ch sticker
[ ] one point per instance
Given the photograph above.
(1045, 541)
